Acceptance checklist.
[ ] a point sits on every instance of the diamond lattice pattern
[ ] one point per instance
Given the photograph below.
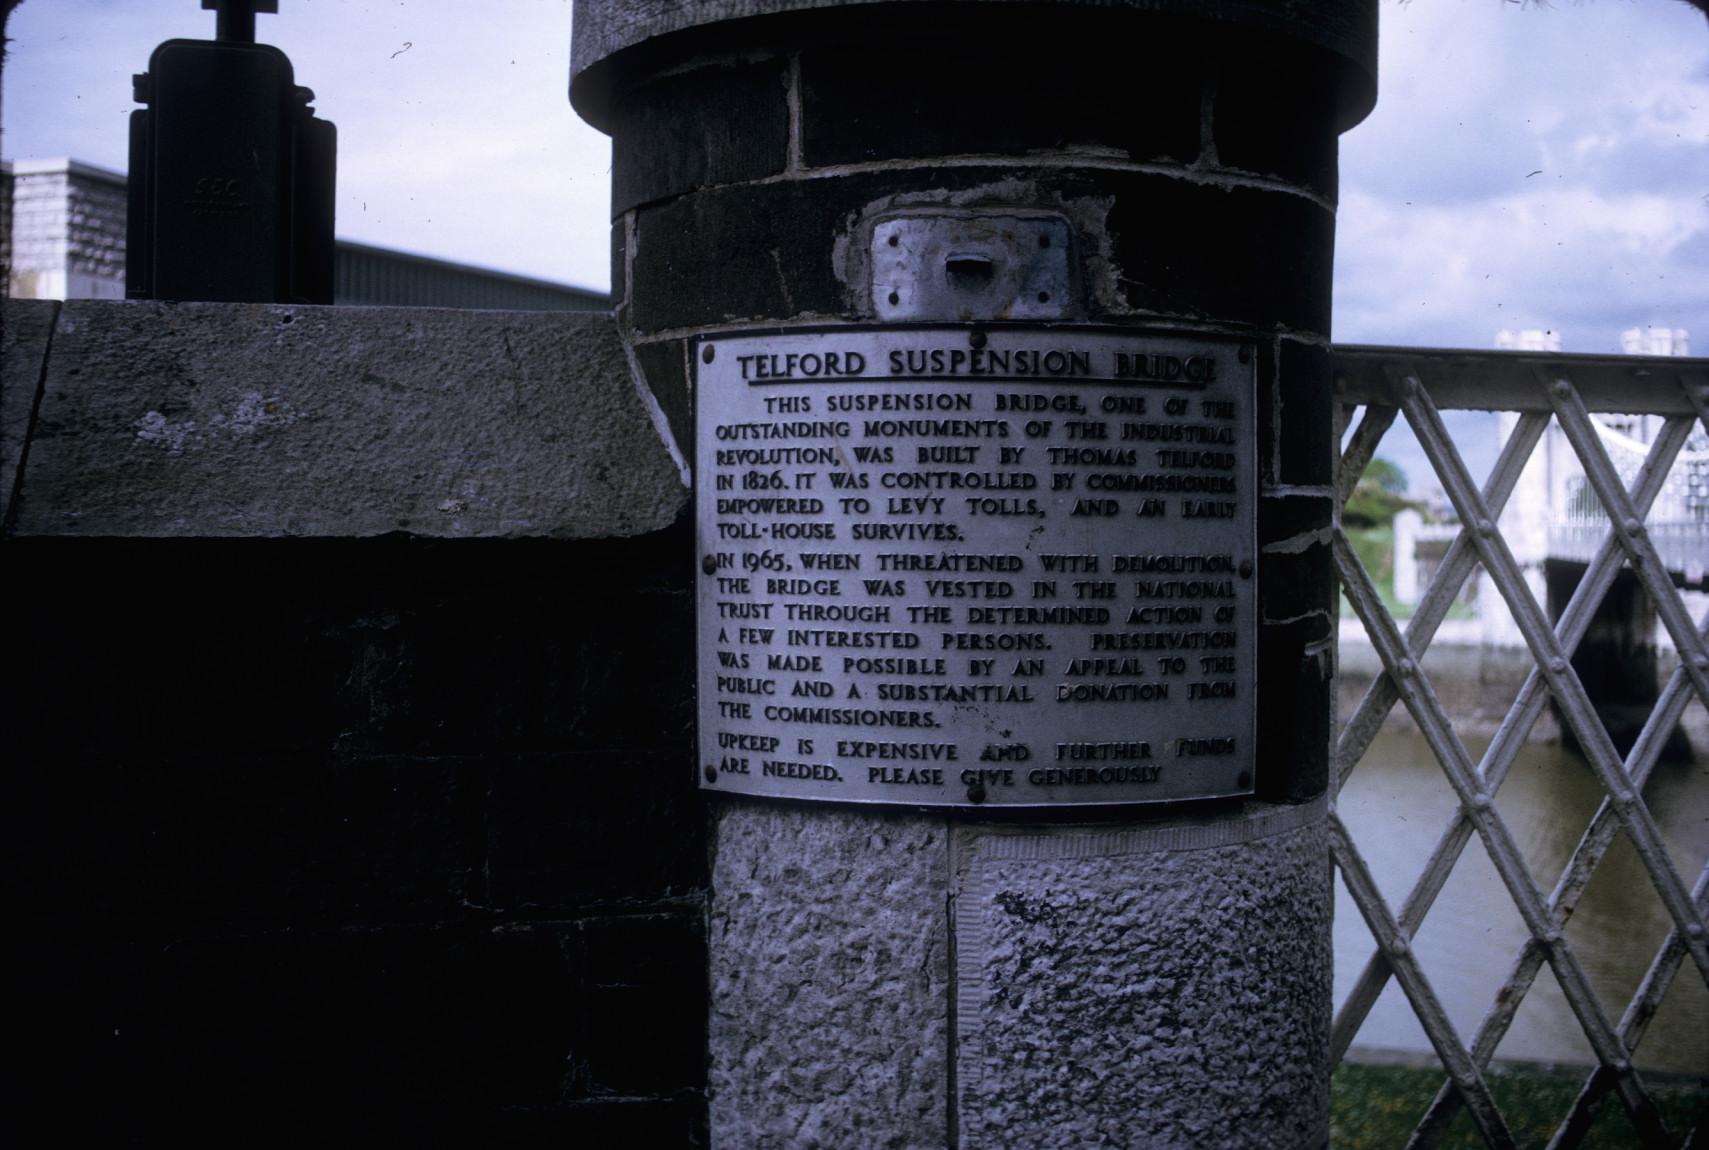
(1408, 387)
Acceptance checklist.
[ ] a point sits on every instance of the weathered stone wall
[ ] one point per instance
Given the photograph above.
(347, 731)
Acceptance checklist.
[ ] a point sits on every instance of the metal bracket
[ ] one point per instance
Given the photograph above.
(971, 265)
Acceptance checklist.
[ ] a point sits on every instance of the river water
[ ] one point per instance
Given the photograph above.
(1396, 804)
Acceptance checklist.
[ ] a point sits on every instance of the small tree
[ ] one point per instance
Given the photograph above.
(1379, 496)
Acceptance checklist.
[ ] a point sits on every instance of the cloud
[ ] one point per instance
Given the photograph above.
(1528, 167)
(1575, 259)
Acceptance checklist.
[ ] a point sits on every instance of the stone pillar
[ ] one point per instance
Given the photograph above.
(1159, 976)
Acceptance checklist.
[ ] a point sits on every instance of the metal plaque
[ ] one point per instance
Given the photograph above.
(967, 566)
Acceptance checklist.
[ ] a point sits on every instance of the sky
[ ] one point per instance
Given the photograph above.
(1527, 165)
(455, 133)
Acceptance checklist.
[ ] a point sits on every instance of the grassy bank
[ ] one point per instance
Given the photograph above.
(1376, 1107)
(1375, 548)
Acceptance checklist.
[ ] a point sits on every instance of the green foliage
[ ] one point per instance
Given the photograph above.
(1377, 1107)
(1375, 548)
(1379, 496)
(1387, 475)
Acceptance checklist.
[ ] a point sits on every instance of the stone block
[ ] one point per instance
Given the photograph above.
(302, 1037)
(1307, 439)
(830, 980)
(372, 647)
(614, 1006)
(146, 845)
(262, 657)
(563, 829)
(1270, 120)
(580, 654)
(644, 1001)
(1293, 522)
(1160, 986)
(81, 1032)
(394, 1034)
(1295, 656)
(531, 972)
(1296, 665)
(1239, 254)
(593, 1122)
(25, 332)
(1295, 571)
(254, 420)
(1077, 90)
(714, 125)
(739, 253)
(1296, 583)
(317, 841)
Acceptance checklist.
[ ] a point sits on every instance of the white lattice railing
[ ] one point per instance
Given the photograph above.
(1418, 384)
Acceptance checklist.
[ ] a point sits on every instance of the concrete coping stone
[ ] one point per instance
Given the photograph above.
(268, 420)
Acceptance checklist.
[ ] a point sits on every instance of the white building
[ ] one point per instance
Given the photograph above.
(62, 230)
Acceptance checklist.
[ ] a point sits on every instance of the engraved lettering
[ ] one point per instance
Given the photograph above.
(1003, 566)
